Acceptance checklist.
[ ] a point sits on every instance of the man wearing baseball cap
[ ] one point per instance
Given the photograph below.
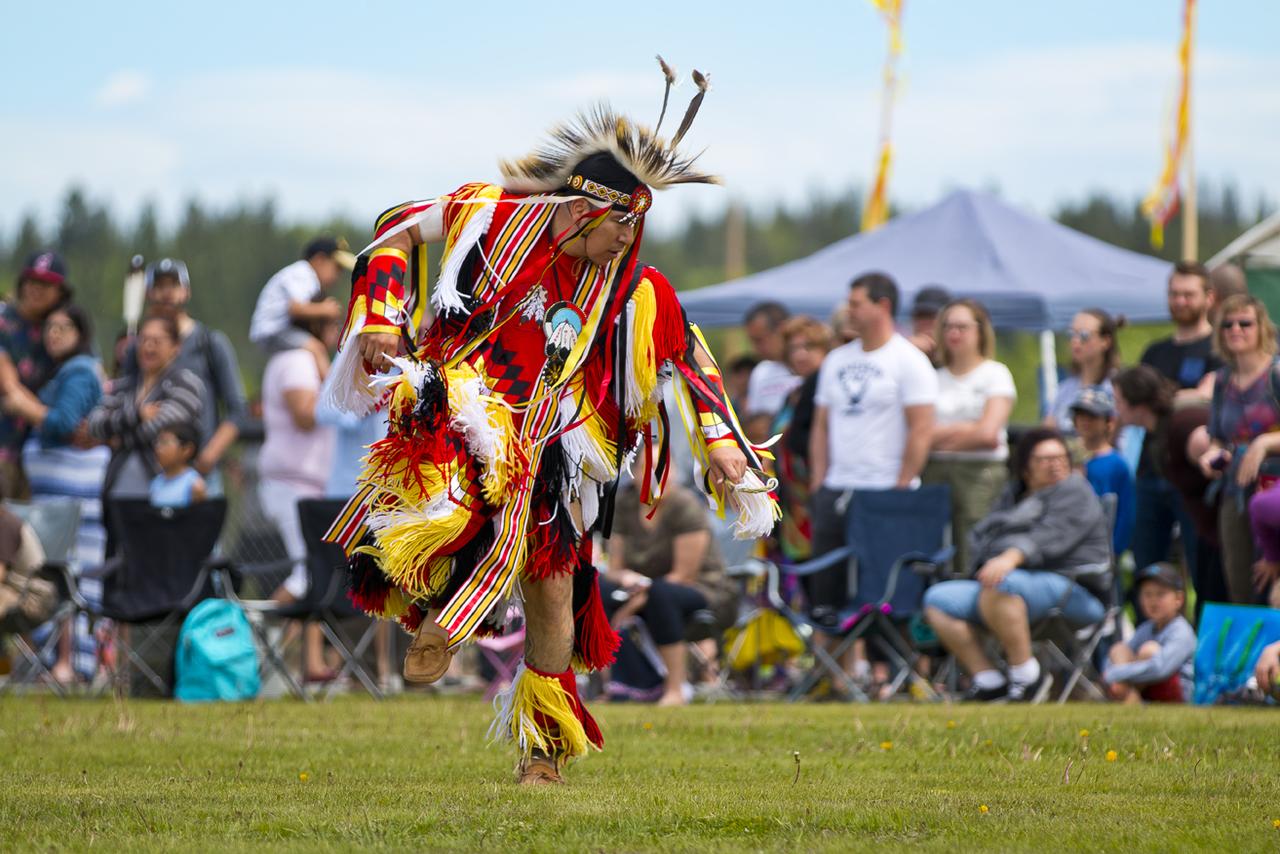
(298, 294)
(208, 354)
(42, 286)
(925, 308)
(1156, 664)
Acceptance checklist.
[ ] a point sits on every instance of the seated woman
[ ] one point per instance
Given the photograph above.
(1047, 522)
(672, 568)
(59, 469)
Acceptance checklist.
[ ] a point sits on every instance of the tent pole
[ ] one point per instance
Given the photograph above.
(1049, 371)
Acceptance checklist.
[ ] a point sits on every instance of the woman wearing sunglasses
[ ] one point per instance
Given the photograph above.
(1243, 422)
(1095, 357)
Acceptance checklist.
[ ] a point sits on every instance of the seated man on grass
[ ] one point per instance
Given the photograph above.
(1156, 663)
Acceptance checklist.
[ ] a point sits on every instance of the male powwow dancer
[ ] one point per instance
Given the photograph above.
(515, 409)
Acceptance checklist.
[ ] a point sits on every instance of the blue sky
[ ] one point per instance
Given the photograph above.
(337, 108)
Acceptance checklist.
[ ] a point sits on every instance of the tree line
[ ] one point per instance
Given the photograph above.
(232, 251)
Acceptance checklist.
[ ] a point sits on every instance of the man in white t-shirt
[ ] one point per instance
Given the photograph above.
(871, 424)
(771, 380)
(295, 296)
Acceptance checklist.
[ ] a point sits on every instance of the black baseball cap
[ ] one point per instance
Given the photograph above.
(330, 247)
(930, 301)
(1164, 573)
(45, 265)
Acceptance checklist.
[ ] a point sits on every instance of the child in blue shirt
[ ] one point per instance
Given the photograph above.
(178, 484)
(1093, 413)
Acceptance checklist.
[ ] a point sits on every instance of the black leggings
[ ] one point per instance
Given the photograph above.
(667, 612)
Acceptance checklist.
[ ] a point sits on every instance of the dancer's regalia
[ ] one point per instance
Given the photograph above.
(538, 378)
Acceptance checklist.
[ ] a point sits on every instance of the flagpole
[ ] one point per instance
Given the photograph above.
(1190, 214)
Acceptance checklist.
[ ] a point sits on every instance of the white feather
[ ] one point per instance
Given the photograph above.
(472, 419)
(445, 297)
(347, 388)
(757, 510)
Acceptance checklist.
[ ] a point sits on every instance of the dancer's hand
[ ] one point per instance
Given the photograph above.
(378, 348)
(728, 465)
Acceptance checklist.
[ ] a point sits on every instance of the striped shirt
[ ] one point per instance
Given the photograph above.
(177, 391)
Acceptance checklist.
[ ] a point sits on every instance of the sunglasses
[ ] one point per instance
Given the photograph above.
(1240, 322)
(1081, 335)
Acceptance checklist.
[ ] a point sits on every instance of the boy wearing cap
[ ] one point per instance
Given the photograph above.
(42, 286)
(1156, 664)
(1093, 414)
(296, 296)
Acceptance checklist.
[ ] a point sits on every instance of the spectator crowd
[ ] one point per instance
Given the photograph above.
(1168, 466)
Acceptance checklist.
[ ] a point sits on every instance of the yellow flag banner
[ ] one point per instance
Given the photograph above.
(1162, 202)
(876, 209)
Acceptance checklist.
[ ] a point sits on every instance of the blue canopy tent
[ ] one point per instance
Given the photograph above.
(1030, 273)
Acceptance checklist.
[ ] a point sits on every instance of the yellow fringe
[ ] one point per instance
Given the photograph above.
(414, 538)
(531, 695)
(645, 361)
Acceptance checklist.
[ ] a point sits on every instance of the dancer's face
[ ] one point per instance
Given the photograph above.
(606, 242)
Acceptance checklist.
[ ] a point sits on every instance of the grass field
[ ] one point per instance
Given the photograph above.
(416, 773)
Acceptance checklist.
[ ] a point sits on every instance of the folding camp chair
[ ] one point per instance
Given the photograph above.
(55, 523)
(1064, 648)
(886, 531)
(164, 568)
(1069, 649)
(325, 604)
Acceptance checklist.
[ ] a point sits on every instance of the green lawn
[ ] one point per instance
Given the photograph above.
(416, 773)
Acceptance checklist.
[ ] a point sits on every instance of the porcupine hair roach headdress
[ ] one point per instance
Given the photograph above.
(605, 156)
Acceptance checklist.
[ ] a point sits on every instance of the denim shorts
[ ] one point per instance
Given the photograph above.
(1042, 591)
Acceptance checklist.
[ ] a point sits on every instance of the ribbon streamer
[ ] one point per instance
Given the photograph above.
(1162, 202)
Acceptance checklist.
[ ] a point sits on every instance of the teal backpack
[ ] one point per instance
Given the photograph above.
(216, 657)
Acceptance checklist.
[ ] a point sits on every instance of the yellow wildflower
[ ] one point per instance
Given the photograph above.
(1084, 733)
(951, 724)
(1112, 756)
(304, 776)
(983, 809)
(886, 745)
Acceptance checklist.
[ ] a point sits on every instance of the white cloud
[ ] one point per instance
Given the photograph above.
(1044, 127)
(122, 88)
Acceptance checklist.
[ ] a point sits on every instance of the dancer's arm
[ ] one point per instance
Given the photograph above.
(728, 462)
(379, 339)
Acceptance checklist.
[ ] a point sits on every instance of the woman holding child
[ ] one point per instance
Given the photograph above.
(135, 411)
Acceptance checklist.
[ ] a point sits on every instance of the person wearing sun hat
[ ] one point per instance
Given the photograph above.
(42, 286)
(516, 405)
(1157, 663)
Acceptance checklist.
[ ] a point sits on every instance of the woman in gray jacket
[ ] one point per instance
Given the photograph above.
(1047, 530)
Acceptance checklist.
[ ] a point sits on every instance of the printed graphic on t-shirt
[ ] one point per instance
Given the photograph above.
(854, 380)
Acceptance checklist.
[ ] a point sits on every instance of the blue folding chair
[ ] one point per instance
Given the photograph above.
(886, 532)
